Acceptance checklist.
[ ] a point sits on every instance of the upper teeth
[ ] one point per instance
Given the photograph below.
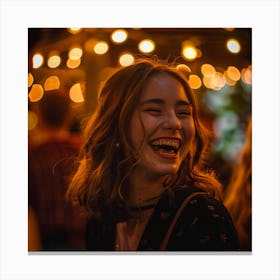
(168, 142)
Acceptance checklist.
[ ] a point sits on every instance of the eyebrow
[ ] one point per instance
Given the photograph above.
(161, 101)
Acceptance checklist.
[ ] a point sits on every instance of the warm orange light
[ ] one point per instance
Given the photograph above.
(75, 53)
(74, 30)
(73, 63)
(101, 47)
(246, 75)
(215, 82)
(208, 70)
(76, 94)
(54, 61)
(36, 93)
(52, 83)
(183, 68)
(228, 80)
(189, 52)
(229, 29)
(194, 81)
(30, 79)
(219, 81)
(126, 59)
(233, 73)
(32, 120)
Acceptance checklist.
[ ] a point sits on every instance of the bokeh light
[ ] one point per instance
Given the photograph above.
(37, 60)
(126, 59)
(233, 46)
(30, 79)
(228, 80)
(101, 47)
(208, 70)
(74, 30)
(119, 36)
(73, 63)
(195, 81)
(32, 120)
(75, 53)
(233, 73)
(189, 52)
(214, 82)
(76, 94)
(146, 46)
(54, 61)
(52, 83)
(219, 81)
(246, 75)
(36, 93)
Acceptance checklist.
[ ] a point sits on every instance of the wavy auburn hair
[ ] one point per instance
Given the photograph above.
(238, 196)
(107, 156)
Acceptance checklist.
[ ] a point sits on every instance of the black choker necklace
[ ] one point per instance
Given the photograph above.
(142, 208)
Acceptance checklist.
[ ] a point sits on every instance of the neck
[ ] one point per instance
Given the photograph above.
(145, 190)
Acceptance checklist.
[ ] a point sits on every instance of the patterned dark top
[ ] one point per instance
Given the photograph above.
(204, 225)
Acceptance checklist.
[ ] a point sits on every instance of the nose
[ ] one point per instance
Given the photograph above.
(172, 121)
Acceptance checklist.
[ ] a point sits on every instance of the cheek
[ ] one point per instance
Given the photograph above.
(189, 132)
(136, 131)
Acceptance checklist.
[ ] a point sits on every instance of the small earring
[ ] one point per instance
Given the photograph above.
(117, 145)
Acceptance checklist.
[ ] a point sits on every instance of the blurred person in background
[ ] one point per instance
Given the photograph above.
(142, 159)
(50, 164)
(34, 236)
(238, 195)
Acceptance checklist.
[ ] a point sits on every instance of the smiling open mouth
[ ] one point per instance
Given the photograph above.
(166, 147)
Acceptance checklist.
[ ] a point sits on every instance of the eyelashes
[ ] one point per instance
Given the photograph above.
(155, 111)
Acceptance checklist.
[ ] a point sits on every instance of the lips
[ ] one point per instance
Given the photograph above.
(166, 147)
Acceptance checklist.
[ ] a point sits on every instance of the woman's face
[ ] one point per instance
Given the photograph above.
(162, 128)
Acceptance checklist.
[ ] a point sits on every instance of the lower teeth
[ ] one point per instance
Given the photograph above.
(167, 153)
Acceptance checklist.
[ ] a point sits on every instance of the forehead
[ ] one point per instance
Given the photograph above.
(165, 86)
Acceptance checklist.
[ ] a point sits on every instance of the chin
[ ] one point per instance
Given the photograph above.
(164, 171)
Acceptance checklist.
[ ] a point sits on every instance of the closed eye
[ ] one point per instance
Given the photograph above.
(153, 110)
(184, 113)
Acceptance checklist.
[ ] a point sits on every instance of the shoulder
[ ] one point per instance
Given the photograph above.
(205, 224)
